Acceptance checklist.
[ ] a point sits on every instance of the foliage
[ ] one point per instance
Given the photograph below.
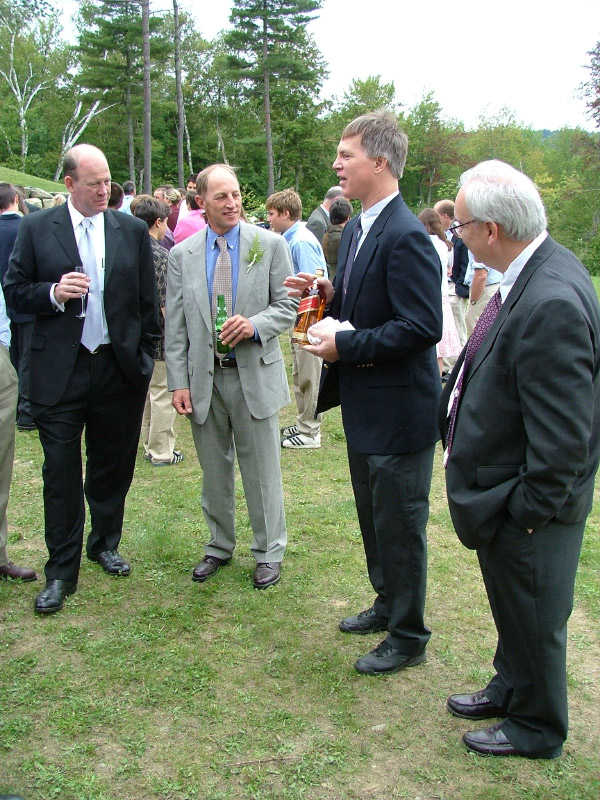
(270, 49)
(225, 104)
(591, 88)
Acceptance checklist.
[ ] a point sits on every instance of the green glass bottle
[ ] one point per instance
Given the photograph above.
(219, 320)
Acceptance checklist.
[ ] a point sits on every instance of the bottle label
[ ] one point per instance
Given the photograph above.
(310, 303)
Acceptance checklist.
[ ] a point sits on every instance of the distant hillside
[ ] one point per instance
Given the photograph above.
(23, 179)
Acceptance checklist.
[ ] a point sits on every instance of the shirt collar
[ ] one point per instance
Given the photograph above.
(77, 216)
(516, 267)
(367, 218)
(232, 237)
(289, 234)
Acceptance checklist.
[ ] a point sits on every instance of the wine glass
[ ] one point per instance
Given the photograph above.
(80, 269)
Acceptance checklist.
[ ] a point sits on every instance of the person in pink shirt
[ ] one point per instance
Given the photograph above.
(192, 222)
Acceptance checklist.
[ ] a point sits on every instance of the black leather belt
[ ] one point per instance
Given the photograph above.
(98, 349)
(225, 363)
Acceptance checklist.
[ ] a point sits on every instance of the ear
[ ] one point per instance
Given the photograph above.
(199, 200)
(69, 182)
(380, 163)
(492, 231)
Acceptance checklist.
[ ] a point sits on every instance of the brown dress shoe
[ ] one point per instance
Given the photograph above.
(266, 574)
(207, 567)
(489, 742)
(473, 706)
(13, 572)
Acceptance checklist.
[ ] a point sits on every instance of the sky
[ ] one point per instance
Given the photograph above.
(476, 57)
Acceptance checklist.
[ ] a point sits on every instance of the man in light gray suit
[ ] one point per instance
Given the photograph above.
(232, 402)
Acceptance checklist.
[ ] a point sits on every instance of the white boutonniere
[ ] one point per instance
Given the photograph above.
(255, 253)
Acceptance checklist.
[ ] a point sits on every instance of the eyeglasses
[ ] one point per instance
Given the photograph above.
(456, 227)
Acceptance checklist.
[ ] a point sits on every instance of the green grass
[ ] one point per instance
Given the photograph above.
(156, 687)
(23, 179)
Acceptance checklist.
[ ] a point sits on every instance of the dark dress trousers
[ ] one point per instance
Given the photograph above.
(524, 455)
(387, 383)
(71, 389)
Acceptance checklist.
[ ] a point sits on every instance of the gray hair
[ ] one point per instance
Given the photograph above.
(331, 194)
(381, 136)
(496, 192)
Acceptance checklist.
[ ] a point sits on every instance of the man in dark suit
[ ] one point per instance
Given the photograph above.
(521, 420)
(90, 372)
(21, 325)
(319, 219)
(383, 372)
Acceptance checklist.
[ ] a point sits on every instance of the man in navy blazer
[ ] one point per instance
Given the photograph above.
(522, 454)
(383, 372)
(72, 386)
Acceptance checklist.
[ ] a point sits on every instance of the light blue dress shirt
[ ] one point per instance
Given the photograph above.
(307, 253)
(4, 322)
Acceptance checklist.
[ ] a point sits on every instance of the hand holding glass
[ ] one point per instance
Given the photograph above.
(83, 296)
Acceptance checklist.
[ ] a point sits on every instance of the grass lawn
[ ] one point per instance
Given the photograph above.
(155, 687)
(24, 179)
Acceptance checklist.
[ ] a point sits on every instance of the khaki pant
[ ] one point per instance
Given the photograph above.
(8, 406)
(158, 436)
(459, 308)
(306, 374)
(474, 310)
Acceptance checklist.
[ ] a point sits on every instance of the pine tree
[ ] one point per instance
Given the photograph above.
(268, 40)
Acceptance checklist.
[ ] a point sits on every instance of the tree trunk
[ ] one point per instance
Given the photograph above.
(130, 143)
(267, 98)
(147, 98)
(188, 144)
(179, 93)
(220, 141)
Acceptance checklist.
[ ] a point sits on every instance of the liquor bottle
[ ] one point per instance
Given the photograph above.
(219, 320)
(310, 310)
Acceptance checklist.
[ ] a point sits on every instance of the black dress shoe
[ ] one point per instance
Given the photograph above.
(385, 659)
(13, 572)
(489, 742)
(368, 621)
(266, 574)
(207, 567)
(50, 599)
(473, 706)
(111, 562)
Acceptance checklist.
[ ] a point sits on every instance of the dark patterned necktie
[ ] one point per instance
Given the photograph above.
(484, 323)
(356, 234)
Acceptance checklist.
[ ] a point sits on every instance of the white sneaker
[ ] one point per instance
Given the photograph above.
(289, 430)
(301, 442)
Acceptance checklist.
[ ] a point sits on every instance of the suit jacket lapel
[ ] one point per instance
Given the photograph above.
(246, 277)
(112, 242)
(537, 259)
(62, 229)
(194, 269)
(364, 258)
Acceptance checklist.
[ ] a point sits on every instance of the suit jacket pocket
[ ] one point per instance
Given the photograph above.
(271, 356)
(38, 342)
(495, 475)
